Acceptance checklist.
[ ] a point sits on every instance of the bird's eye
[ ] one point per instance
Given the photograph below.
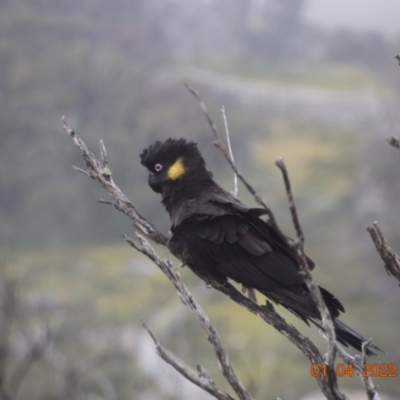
(158, 167)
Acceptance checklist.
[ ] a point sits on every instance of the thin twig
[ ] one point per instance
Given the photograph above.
(228, 140)
(202, 379)
(357, 364)
(250, 291)
(280, 163)
(102, 201)
(371, 390)
(220, 145)
(298, 246)
(103, 154)
(102, 173)
(82, 171)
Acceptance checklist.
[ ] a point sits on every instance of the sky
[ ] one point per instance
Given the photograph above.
(380, 15)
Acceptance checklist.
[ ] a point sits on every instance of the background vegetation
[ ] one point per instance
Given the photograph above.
(323, 100)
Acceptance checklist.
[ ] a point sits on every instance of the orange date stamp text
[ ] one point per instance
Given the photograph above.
(368, 370)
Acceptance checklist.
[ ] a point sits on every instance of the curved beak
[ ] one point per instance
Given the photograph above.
(155, 182)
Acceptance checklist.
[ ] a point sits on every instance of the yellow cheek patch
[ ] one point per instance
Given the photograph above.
(176, 170)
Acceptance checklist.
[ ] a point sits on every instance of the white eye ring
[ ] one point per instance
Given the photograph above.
(158, 167)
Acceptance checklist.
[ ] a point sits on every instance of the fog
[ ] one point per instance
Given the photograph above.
(381, 16)
(314, 82)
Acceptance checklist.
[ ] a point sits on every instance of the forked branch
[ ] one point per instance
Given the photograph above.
(201, 379)
(189, 301)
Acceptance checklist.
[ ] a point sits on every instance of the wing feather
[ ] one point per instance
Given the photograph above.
(244, 248)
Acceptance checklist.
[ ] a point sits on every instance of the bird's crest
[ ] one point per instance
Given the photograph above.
(171, 154)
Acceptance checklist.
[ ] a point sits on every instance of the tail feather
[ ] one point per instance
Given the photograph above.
(298, 300)
(349, 337)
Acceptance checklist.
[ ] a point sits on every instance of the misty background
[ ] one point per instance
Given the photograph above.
(314, 82)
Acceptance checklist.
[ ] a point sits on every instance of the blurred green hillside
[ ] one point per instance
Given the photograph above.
(325, 101)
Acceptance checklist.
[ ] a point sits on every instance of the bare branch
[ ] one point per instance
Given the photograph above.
(270, 316)
(250, 291)
(357, 363)
(202, 379)
(103, 154)
(267, 313)
(188, 300)
(388, 256)
(371, 389)
(300, 236)
(228, 140)
(82, 171)
(101, 172)
(220, 145)
(102, 201)
(327, 323)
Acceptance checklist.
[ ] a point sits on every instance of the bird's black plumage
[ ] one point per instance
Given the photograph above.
(217, 235)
